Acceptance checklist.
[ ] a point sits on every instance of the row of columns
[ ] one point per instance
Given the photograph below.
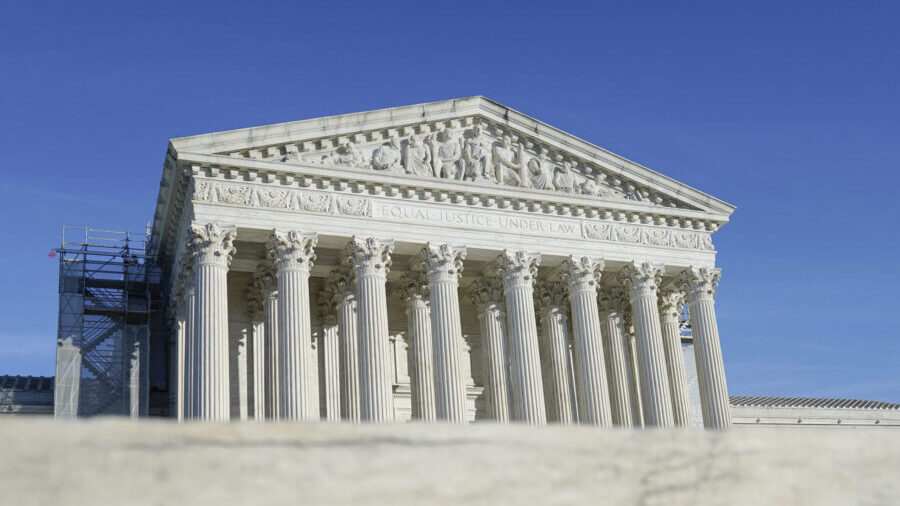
(356, 378)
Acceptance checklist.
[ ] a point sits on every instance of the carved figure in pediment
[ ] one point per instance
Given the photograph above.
(477, 155)
(506, 162)
(417, 158)
(387, 157)
(564, 179)
(632, 192)
(593, 186)
(540, 171)
(345, 155)
(446, 155)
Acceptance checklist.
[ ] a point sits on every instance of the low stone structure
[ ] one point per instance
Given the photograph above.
(121, 462)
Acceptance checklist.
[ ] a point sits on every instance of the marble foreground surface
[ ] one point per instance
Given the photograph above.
(120, 462)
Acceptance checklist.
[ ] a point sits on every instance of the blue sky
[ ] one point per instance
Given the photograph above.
(788, 110)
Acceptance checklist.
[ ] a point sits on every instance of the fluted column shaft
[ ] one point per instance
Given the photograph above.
(179, 367)
(518, 270)
(212, 249)
(642, 281)
(329, 369)
(443, 266)
(582, 274)
(487, 296)
(259, 370)
(614, 347)
(637, 404)
(700, 284)
(670, 302)
(293, 254)
(190, 351)
(557, 389)
(371, 260)
(270, 327)
(413, 289)
(349, 355)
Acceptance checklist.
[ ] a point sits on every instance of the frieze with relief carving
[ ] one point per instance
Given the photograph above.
(330, 202)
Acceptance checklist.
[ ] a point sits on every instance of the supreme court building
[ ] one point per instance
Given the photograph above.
(451, 261)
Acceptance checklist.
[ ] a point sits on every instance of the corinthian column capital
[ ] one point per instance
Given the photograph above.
(327, 311)
(641, 278)
(212, 244)
(370, 256)
(412, 288)
(582, 273)
(293, 250)
(339, 284)
(550, 296)
(264, 279)
(612, 299)
(700, 282)
(518, 268)
(442, 262)
(486, 293)
(255, 305)
(670, 302)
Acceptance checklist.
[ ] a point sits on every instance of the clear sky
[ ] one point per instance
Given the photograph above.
(789, 110)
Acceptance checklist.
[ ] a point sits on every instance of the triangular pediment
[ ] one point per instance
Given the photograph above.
(470, 139)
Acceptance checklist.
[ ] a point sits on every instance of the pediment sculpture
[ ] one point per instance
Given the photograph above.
(473, 154)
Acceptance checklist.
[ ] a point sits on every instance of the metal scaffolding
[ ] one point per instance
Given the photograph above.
(108, 294)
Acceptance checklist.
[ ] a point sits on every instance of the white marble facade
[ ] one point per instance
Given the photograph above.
(451, 261)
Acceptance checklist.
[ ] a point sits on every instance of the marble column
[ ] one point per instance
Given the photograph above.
(700, 283)
(259, 368)
(371, 259)
(550, 300)
(294, 256)
(637, 404)
(265, 281)
(670, 302)
(312, 377)
(518, 270)
(190, 347)
(582, 275)
(615, 347)
(256, 315)
(413, 290)
(180, 346)
(212, 249)
(343, 294)
(487, 297)
(443, 266)
(642, 281)
(329, 363)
